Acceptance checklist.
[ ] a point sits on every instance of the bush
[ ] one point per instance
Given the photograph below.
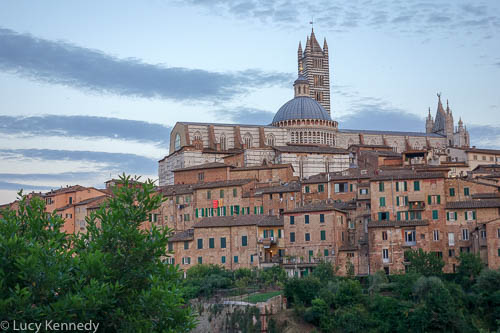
(302, 290)
(425, 263)
(113, 275)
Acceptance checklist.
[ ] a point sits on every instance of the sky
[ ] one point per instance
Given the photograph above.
(90, 89)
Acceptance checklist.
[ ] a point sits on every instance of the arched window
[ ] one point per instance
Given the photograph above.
(248, 140)
(270, 140)
(197, 140)
(223, 145)
(177, 142)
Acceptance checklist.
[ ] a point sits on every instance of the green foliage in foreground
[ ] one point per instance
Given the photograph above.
(113, 275)
(204, 280)
(261, 297)
(468, 301)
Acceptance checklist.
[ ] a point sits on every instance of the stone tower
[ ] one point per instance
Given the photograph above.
(314, 65)
(429, 123)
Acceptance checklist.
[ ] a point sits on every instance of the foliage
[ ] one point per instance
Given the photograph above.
(487, 287)
(204, 280)
(324, 271)
(262, 297)
(425, 263)
(114, 275)
(302, 290)
(469, 268)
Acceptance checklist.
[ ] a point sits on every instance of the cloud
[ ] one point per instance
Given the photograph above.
(112, 162)
(82, 68)
(85, 126)
(25, 187)
(419, 17)
(243, 115)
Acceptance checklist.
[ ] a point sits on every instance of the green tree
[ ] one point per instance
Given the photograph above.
(324, 271)
(425, 263)
(487, 287)
(114, 275)
(469, 268)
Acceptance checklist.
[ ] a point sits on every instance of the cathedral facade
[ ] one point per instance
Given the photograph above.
(302, 132)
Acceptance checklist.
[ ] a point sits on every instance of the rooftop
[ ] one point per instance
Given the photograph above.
(310, 149)
(240, 220)
(391, 133)
(493, 203)
(185, 235)
(290, 187)
(395, 175)
(212, 165)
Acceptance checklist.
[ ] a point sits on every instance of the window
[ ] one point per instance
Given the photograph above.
(498, 233)
(385, 254)
(251, 258)
(321, 218)
(451, 239)
(223, 259)
(248, 140)
(325, 252)
(382, 201)
(200, 243)
(211, 243)
(499, 252)
(410, 237)
(435, 215)
(384, 235)
(383, 216)
(381, 186)
(186, 245)
(466, 191)
(307, 189)
(319, 96)
(170, 246)
(270, 140)
(416, 185)
(452, 192)
(244, 240)
(306, 217)
(465, 234)
(292, 219)
(221, 194)
(435, 235)
(70, 200)
(321, 188)
(201, 176)
(363, 191)
(307, 237)
(340, 187)
(451, 252)
(223, 242)
(200, 260)
(177, 141)
(292, 237)
(483, 234)
(434, 199)
(235, 259)
(323, 235)
(470, 215)
(451, 216)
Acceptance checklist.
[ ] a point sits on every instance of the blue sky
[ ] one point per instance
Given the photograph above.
(90, 89)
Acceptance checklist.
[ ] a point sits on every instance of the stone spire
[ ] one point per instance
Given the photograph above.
(325, 46)
(429, 122)
(300, 54)
(440, 119)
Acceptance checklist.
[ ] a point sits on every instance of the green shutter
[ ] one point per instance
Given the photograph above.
(406, 186)
(429, 199)
(218, 211)
(406, 200)
(447, 216)
(380, 216)
(196, 212)
(465, 213)
(279, 233)
(232, 210)
(397, 200)
(456, 215)
(224, 210)
(262, 209)
(397, 186)
(325, 252)
(399, 216)
(473, 214)
(265, 234)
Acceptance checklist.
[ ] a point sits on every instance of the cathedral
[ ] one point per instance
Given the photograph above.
(302, 132)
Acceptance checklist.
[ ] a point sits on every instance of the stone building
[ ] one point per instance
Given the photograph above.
(231, 241)
(303, 132)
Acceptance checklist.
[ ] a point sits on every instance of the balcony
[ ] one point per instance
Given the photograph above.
(410, 243)
(416, 205)
(267, 242)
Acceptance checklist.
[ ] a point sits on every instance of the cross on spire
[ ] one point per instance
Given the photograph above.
(312, 23)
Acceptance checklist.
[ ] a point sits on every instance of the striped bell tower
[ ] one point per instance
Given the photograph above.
(313, 62)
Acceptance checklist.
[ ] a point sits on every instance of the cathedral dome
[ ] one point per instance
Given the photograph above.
(301, 107)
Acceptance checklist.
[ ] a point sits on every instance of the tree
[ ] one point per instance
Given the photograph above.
(489, 297)
(469, 268)
(114, 275)
(425, 263)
